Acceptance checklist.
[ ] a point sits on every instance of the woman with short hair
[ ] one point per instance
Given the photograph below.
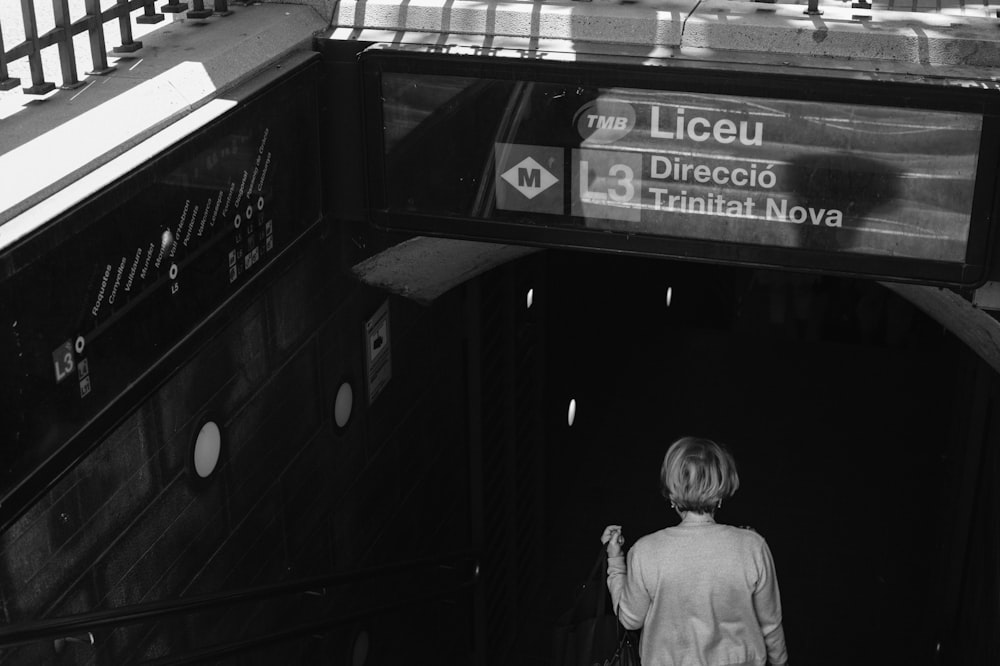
(703, 593)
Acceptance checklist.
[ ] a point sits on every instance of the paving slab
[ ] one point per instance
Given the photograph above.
(660, 24)
(843, 32)
(49, 142)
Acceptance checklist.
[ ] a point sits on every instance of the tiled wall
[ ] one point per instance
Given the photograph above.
(293, 497)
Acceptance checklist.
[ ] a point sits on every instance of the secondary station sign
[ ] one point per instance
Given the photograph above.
(879, 179)
(99, 304)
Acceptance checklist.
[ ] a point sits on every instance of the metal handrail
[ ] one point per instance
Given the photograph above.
(305, 629)
(92, 23)
(86, 623)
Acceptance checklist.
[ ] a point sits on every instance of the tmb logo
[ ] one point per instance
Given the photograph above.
(604, 121)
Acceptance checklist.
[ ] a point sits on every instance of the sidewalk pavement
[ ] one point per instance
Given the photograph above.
(51, 142)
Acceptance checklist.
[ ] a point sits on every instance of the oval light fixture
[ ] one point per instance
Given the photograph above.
(529, 299)
(670, 295)
(359, 652)
(207, 449)
(343, 406)
(571, 412)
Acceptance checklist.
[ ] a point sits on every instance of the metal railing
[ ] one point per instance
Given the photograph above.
(92, 22)
(81, 628)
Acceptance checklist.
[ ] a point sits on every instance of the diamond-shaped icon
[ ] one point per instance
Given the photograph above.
(529, 178)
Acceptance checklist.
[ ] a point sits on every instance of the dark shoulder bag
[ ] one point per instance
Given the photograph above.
(588, 633)
(627, 653)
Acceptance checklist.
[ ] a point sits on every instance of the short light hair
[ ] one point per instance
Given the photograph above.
(697, 474)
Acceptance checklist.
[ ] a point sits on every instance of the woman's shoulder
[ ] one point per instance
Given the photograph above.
(654, 540)
(746, 534)
(741, 533)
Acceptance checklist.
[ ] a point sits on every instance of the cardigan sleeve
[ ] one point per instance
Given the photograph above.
(767, 605)
(628, 594)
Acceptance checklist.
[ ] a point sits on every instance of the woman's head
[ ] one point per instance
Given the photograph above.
(697, 474)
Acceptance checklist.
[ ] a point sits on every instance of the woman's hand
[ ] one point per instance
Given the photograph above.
(613, 539)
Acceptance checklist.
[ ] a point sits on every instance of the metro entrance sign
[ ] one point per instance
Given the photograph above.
(874, 180)
(887, 179)
(524, 183)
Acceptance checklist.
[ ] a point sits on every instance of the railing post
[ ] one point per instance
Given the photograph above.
(39, 86)
(149, 14)
(6, 82)
(67, 56)
(174, 7)
(222, 8)
(95, 31)
(125, 28)
(813, 8)
(199, 11)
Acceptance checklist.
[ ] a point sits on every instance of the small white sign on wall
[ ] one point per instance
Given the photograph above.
(378, 352)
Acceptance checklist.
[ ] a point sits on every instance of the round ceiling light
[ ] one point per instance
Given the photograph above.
(207, 449)
(343, 406)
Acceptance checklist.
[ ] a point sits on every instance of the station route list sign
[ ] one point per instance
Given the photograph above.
(845, 179)
(96, 299)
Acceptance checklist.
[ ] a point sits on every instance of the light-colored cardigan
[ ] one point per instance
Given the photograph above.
(703, 594)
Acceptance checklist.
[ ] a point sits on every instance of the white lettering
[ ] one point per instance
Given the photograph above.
(243, 183)
(659, 167)
(699, 129)
(780, 210)
(263, 175)
(194, 216)
(710, 204)
(724, 131)
(149, 256)
(118, 281)
(676, 169)
(135, 267)
(768, 176)
(607, 122)
(253, 179)
(585, 193)
(215, 213)
(100, 292)
(180, 229)
(229, 198)
(204, 219)
(625, 177)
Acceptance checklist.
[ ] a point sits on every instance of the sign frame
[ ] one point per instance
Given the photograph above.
(761, 81)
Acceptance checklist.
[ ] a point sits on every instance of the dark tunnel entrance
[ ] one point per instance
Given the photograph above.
(860, 426)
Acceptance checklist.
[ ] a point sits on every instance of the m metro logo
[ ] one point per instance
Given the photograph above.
(526, 178)
(529, 177)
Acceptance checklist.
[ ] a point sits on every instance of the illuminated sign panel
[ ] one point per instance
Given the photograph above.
(874, 180)
(858, 178)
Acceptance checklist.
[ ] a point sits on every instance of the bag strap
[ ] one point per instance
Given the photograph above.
(602, 593)
(599, 576)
